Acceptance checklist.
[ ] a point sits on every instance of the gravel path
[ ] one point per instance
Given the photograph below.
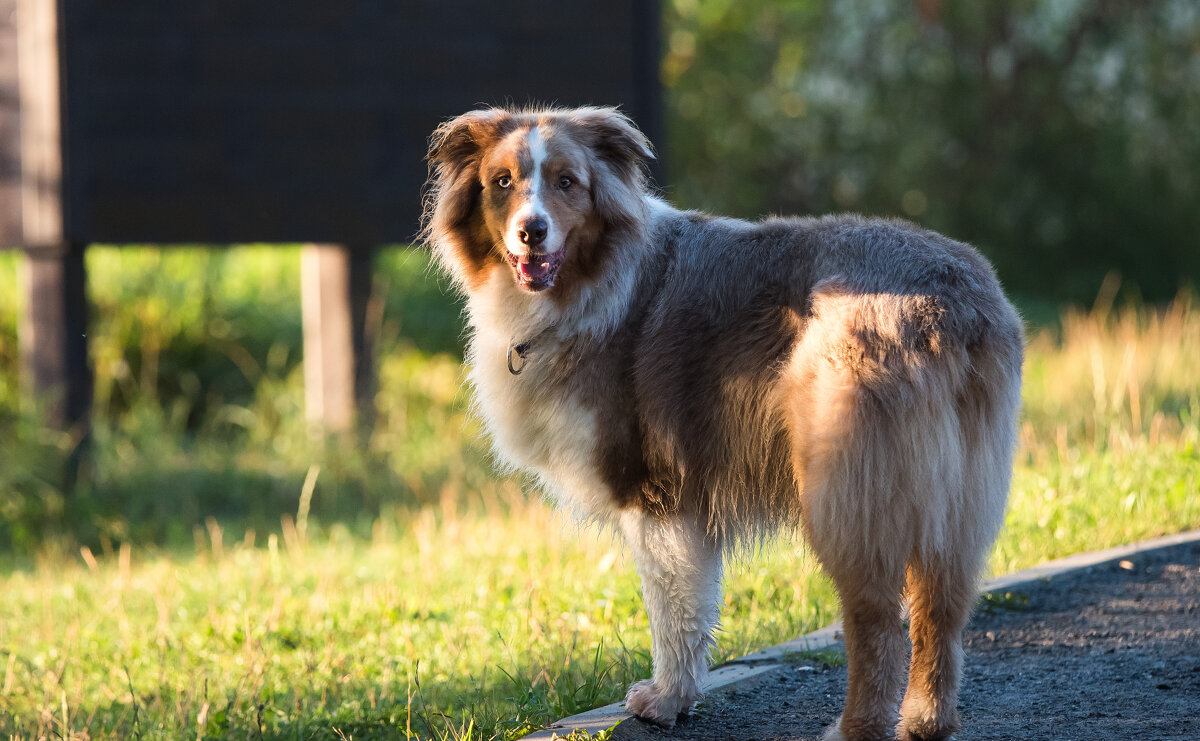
(1110, 652)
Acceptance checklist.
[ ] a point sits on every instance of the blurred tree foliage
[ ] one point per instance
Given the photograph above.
(1060, 136)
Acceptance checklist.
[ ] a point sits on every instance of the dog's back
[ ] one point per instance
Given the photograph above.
(761, 338)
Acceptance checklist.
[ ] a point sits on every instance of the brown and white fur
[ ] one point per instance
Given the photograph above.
(697, 383)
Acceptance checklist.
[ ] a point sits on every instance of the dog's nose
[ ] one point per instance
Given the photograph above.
(533, 231)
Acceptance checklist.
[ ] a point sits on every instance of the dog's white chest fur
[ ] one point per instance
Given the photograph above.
(533, 428)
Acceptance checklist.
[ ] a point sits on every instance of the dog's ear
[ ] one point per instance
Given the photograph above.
(619, 171)
(616, 139)
(449, 223)
(455, 149)
(458, 141)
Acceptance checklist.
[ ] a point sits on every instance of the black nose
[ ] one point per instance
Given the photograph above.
(533, 231)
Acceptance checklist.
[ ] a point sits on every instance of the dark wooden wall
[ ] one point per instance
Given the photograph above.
(237, 121)
(226, 121)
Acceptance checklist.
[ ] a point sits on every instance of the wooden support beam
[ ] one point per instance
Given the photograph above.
(56, 374)
(328, 344)
(365, 317)
(339, 368)
(55, 371)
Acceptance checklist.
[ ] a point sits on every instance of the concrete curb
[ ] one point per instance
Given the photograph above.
(601, 719)
(1087, 560)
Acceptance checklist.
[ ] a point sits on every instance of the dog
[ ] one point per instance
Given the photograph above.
(699, 383)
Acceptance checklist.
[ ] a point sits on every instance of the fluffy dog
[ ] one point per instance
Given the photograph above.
(697, 383)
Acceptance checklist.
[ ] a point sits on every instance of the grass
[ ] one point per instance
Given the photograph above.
(221, 574)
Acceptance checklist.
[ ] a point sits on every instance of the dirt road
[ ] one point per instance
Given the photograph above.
(1111, 652)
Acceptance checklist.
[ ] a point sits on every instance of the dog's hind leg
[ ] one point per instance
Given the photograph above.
(875, 651)
(943, 572)
(680, 566)
(860, 524)
(941, 594)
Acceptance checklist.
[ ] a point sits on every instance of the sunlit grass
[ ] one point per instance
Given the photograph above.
(186, 592)
(327, 632)
(503, 621)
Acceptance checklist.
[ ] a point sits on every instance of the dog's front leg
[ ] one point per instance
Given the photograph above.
(680, 566)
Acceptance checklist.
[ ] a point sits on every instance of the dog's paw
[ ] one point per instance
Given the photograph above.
(906, 734)
(648, 702)
(872, 733)
(921, 721)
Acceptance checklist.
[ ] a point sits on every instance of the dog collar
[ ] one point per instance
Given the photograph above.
(518, 352)
(516, 357)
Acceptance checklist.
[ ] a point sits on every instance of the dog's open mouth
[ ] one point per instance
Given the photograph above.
(535, 272)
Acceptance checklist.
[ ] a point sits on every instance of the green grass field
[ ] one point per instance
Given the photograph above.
(221, 574)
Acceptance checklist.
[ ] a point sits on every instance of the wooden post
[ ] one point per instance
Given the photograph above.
(53, 330)
(338, 362)
(55, 370)
(365, 315)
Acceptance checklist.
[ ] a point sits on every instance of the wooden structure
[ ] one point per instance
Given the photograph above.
(226, 121)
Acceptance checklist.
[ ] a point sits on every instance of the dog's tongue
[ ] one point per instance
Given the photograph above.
(533, 268)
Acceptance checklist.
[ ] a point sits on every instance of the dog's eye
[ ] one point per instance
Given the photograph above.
(504, 181)
(565, 182)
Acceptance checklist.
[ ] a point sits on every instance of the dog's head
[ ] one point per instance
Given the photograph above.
(540, 193)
